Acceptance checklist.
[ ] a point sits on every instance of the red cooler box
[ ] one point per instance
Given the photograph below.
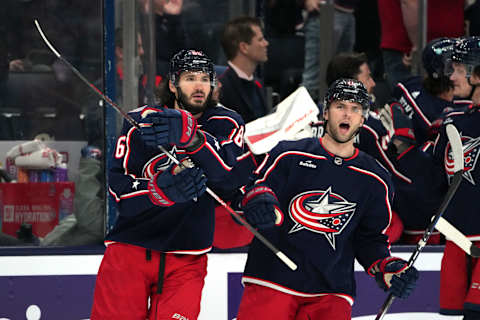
(39, 204)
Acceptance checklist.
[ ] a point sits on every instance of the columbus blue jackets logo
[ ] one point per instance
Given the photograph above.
(471, 149)
(322, 212)
(159, 163)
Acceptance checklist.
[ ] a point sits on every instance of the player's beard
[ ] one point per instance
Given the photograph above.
(182, 101)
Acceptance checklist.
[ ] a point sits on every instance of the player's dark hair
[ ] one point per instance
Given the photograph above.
(163, 95)
(476, 71)
(236, 31)
(345, 65)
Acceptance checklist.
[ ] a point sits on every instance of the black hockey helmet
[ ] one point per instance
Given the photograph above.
(348, 90)
(467, 52)
(437, 55)
(191, 60)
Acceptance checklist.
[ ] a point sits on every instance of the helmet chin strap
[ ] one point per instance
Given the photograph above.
(472, 90)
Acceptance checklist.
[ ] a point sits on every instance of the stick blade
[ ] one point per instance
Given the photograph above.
(453, 234)
(456, 145)
(44, 38)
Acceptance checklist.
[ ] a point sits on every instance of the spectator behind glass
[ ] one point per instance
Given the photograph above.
(49, 91)
(245, 48)
(472, 13)
(344, 37)
(283, 70)
(4, 50)
(93, 121)
(399, 22)
(204, 21)
(170, 33)
(367, 39)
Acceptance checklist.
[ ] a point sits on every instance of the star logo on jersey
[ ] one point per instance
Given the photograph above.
(159, 163)
(135, 184)
(322, 212)
(471, 151)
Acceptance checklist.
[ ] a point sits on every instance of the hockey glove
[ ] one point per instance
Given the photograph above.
(261, 207)
(170, 187)
(169, 126)
(396, 276)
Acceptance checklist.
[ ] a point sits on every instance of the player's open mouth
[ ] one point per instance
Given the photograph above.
(344, 126)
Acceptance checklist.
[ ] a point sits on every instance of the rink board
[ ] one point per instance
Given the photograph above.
(61, 287)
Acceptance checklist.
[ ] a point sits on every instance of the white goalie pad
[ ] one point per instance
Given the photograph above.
(25, 148)
(45, 158)
(290, 121)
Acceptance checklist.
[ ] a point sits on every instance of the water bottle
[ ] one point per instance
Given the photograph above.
(61, 173)
(66, 203)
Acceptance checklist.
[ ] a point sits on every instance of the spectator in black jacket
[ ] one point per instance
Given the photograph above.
(245, 48)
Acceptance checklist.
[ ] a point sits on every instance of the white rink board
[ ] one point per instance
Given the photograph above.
(215, 294)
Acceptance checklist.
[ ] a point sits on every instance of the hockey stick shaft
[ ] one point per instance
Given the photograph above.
(454, 235)
(457, 152)
(134, 123)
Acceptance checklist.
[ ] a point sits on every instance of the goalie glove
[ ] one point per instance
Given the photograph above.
(177, 186)
(385, 115)
(261, 207)
(394, 275)
(169, 126)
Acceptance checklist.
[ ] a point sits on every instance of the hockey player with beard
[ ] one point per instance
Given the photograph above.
(460, 273)
(375, 136)
(334, 209)
(155, 262)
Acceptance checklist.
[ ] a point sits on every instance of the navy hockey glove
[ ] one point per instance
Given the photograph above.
(169, 126)
(170, 187)
(396, 276)
(261, 207)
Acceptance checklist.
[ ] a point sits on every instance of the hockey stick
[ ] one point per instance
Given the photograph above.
(134, 123)
(457, 153)
(454, 235)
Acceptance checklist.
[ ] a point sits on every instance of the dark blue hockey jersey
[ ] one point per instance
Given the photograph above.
(420, 106)
(184, 227)
(375, 140)
(463, 211)
(335, 210)
(416, 202)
